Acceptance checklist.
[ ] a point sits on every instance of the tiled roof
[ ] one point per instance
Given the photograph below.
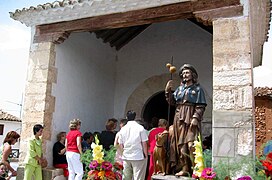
(263, 91)
(46, 6)
(8, 117)
(68, 10)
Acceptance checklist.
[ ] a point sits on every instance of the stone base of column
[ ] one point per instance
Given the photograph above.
(48, 173)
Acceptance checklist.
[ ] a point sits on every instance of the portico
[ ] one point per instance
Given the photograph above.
(72, 73)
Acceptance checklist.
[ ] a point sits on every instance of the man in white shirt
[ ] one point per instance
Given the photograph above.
(133, 139)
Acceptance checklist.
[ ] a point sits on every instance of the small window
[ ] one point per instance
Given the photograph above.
(1, 129)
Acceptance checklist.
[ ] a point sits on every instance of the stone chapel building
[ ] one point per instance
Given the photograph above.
(97, 59)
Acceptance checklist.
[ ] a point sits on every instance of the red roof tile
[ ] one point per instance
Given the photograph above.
(8, 117)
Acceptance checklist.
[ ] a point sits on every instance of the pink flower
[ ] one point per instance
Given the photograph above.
(244, 178)
(208, 174)
(106, 165)
(94, 164)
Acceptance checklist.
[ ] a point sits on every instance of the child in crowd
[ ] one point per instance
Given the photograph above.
(4, 172)
(87, 141)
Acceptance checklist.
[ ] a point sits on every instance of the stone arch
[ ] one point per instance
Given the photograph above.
(147, 89)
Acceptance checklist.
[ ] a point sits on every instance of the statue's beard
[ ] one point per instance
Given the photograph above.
(185, 80)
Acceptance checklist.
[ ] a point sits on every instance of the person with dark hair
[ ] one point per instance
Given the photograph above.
(74, 150)
(189, 99)
(142, 123)
(133, 142)
(107, 136)
(59, 157)
(34, 158)
(131, 115)
(4, 172)
(153, 124)
(207, 142)
(87, 141)
(10, 139)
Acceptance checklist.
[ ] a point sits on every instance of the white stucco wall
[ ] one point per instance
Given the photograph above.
(88, 70)
(85, 84)
(11, 126)
(147, 54)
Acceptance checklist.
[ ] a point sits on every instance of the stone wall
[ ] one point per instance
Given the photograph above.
(39, 103)
(233, 133)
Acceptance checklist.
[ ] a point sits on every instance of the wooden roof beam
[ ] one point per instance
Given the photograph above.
(170, 12)
(207, 17)
(121, 42)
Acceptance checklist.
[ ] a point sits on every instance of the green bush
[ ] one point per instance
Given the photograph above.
(243, 166)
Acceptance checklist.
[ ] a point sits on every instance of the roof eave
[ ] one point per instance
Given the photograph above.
(68, 10)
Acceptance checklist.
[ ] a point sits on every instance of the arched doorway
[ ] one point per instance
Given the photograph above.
(157, 107)
(146, 91)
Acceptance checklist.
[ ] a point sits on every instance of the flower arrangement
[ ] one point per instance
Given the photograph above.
(200, 171)
(224, 170)
(100, 169)
(267, 164)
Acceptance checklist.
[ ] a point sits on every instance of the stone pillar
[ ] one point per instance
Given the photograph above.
(233, 122)
(39, 103)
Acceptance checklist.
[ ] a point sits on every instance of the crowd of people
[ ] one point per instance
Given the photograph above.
(134, 143)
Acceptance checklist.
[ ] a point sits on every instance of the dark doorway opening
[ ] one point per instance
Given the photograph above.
(157, 106)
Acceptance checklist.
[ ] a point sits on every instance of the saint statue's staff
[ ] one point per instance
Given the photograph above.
(172, 69)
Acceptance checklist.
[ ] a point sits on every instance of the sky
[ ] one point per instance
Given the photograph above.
(14, 51)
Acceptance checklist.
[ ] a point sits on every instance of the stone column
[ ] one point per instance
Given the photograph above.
(39, 103)
(233, 122)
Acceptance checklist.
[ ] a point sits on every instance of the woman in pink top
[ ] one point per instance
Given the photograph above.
(152, 143)
(74, 150)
